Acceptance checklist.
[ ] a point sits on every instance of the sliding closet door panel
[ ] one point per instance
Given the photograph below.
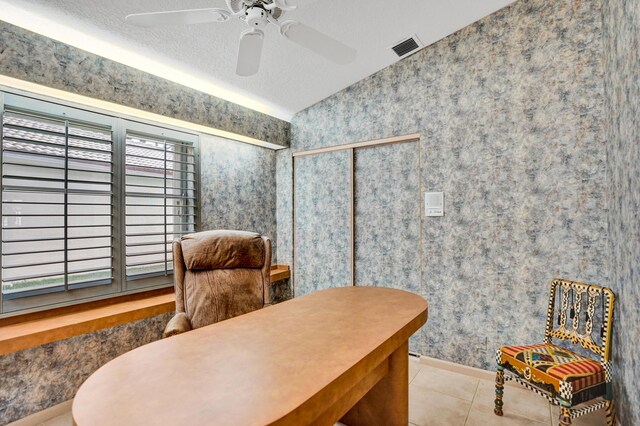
(387, 216)
(322, 222)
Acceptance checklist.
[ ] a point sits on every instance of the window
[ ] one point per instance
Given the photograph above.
(160, 202)
(90, 203)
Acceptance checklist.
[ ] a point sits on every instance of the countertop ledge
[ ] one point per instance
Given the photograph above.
(31, 333)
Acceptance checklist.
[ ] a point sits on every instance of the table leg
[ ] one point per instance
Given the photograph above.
(387, 403)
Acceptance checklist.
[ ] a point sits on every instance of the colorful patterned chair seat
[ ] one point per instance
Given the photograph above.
(554, 368)
(575, 383)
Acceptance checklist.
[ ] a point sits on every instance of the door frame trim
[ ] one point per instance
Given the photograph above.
(351, 147)
(411, 137)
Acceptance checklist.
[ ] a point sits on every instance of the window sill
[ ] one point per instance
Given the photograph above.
(30, 333)
(279, 273)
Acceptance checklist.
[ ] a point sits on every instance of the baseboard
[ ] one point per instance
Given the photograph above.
(44, 415)
(478, 373)
(458, 368)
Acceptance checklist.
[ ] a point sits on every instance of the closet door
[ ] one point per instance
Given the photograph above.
(387, 216)
(322, 191)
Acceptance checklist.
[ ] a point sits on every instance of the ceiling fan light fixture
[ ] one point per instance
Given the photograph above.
(256, 17)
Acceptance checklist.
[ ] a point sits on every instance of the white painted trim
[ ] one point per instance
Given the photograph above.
(458, 368)
(478, 373)
(412, 137)
(44, 415)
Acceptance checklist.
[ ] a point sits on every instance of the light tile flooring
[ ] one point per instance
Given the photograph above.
(442, 397)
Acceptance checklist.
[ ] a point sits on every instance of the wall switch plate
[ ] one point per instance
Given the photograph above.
(433, 204)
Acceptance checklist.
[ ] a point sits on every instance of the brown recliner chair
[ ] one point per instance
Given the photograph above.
(218, 275)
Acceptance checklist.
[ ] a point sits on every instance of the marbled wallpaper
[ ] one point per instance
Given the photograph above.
(284, 206)
(529, 124)
(387, 217)
(510, 113)
(322, 222)
(238, 187)
(37, 378)
(281, 291)
(38, 59)
(622, 106)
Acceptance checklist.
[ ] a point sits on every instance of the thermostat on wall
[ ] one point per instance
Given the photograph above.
(434, 204)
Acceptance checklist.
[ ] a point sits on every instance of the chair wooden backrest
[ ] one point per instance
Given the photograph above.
(582, 314)
(571, 298)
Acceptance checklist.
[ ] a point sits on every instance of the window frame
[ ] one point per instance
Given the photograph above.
(16, 99)
(141, 129)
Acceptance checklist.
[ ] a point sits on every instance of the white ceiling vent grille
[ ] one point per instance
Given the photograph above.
(407, 46)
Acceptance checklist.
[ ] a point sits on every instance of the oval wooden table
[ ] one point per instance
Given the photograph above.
(336, 354)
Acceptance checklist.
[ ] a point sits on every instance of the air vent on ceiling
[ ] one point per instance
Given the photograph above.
(406, 46)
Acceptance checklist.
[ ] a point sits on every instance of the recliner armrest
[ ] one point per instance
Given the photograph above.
(178, 324)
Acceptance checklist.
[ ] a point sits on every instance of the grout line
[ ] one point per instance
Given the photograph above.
(475, 394)
(475, 373)
(418, 372)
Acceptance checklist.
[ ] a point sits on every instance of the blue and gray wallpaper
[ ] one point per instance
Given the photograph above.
(41, 377)
(238, 187)
(622, 88)
(387, 216)
(284, 206)
(322, 222)
(529, 124)
(511, 116)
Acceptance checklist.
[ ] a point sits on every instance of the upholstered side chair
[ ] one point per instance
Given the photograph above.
(218, 275)
(565, 378)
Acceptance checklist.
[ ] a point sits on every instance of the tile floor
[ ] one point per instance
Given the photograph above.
(441, 397)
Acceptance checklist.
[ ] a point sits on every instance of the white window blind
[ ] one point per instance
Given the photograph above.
(90, 203)
(160, 201)
(57, 185)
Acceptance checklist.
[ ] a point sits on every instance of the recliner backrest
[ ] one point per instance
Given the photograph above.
(221, 274)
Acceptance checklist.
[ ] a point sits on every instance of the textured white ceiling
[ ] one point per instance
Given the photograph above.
(290, 78)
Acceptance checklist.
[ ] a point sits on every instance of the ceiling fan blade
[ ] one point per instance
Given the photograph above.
(318, 42)
(249, 52)
(178, 17)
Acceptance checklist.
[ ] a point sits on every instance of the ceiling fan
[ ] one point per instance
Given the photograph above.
(257, 14)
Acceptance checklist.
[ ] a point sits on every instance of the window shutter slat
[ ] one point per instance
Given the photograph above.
(57, 185)
(160, 199)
